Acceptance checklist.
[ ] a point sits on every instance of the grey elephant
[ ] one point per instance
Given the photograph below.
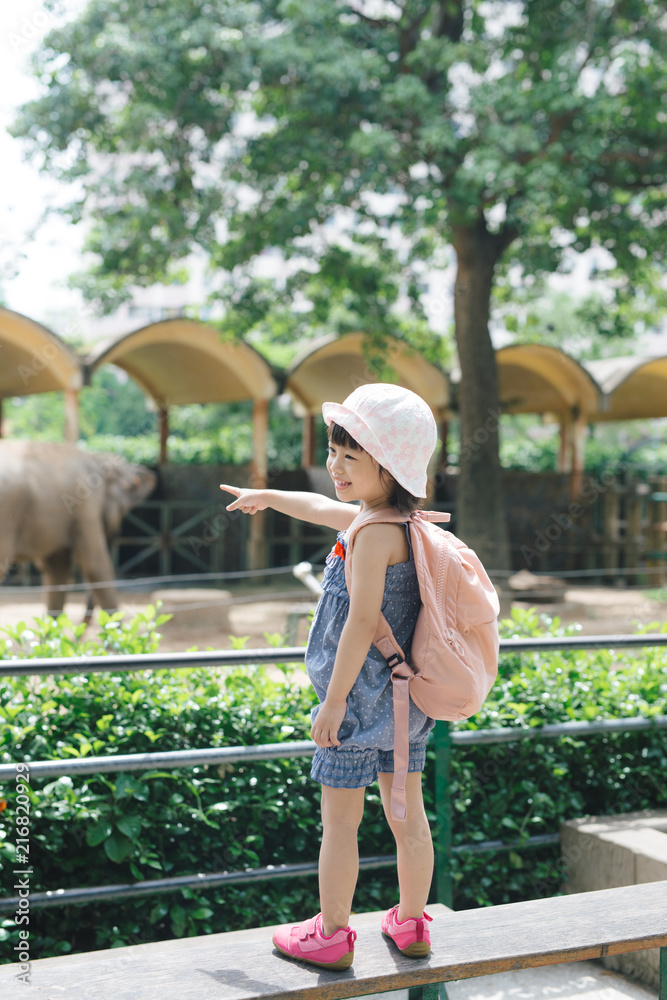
(60, 506)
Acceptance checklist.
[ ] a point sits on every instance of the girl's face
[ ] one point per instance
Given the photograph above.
(356, 476)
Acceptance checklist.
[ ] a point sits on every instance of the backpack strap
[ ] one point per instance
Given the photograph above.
(401, 671)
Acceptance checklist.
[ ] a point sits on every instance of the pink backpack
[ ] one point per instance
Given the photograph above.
(454, 654)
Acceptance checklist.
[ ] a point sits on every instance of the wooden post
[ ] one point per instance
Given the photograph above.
(657, 532)
(563, 462)
(610, 531)
(71, 415)
(257, 543)
(632, 530)
(578, 452)
(308, 442)
(163, 427)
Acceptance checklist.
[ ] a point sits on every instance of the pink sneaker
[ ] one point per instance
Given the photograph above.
(307, 943)
(411, 937)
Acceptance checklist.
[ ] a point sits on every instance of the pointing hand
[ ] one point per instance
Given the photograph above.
(248, 501)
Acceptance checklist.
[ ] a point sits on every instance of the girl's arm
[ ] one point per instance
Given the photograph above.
(313, 507)
(373, 549)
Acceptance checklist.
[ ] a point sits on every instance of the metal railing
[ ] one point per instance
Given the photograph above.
(289, 654)
(444, 740)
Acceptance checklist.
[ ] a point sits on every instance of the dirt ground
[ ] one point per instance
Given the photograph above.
(207, 618)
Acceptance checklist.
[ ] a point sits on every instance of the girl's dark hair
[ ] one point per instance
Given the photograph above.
(399, 497)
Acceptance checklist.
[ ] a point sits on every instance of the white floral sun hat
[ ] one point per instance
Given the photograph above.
(394, 425)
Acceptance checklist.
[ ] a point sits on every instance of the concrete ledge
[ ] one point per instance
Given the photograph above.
(603, 852)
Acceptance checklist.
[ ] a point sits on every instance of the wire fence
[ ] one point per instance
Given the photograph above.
(155, 582)
(148, 581)
(289, 654)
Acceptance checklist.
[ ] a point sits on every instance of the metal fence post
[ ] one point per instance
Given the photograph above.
(431, 991)
(443, 844)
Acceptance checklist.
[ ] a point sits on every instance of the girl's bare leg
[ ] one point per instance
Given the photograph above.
(414, 846)
(342, 809)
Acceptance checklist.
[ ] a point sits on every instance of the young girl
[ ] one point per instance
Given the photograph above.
(380, 441)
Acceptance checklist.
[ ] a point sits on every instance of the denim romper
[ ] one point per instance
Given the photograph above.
(367, 733)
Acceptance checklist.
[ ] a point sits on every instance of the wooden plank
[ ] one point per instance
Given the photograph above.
(465, 944)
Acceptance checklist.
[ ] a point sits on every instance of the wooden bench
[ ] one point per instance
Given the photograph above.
(243, 965)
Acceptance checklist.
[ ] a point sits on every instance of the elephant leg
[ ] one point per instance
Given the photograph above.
(6, 545)
(5, 563)
(90, 605)
(92, 555)
(56, 572)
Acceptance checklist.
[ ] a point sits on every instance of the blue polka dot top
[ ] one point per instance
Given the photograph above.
(369, 721)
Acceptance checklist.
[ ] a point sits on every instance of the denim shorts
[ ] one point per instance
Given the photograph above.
(340, 768)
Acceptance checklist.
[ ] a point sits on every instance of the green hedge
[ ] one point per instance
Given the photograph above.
(118, 828)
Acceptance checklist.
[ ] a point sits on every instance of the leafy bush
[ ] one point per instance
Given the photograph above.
(231, 446)
(528, 787)
(114, 418)
(122, 827)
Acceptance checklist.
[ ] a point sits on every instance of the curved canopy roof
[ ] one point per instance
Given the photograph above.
(333, 366)
(633, 388)
(32, 359)
(179, 361)
(534, 378)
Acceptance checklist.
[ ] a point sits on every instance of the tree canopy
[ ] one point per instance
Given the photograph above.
(515, 130)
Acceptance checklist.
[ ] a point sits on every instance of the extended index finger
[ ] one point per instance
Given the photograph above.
(231, 489)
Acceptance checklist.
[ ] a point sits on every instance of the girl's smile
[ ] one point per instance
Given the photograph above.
(356, 475)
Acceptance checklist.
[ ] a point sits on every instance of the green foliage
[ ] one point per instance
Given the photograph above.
(358, 144)
(215, 433)
(632, 448)
(657, 594)
(98, 829)
(511, 119)
(524, 788)
(122, 827)
(358, 288)
(48, 637)
(115, 418)
(525, 443)
(638, 449)
(39, 417)
(587, 328)
(114, 404)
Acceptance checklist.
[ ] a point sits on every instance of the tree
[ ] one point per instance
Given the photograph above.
(515, 129)
(587, 327)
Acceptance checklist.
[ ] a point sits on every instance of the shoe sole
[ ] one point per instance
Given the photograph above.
(340, 965)
(418, 949)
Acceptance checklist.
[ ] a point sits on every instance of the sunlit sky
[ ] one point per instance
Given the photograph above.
(39, 290)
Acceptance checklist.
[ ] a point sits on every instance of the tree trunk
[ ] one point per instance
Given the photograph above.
(480, 509)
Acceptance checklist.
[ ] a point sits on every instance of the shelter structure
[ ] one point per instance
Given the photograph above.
(535, 378)
(33, 359)
(632, 388)
(180, 361)
(332, 367)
